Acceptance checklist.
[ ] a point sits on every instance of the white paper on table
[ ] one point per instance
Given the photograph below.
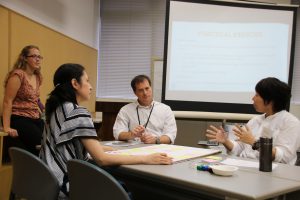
(122, 143)
(243, 163)
(177, 152)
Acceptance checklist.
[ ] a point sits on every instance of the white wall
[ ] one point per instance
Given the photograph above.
(295, 110)
(78, 19)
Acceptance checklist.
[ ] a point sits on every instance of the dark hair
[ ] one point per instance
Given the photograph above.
(21, 62)
(273, 90)
(63, 91)
(139, 79)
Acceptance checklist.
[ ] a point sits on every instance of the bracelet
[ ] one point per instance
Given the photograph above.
(157, 140)
(256, 145)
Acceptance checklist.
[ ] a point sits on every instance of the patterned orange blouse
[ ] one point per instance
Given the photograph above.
(25, 102)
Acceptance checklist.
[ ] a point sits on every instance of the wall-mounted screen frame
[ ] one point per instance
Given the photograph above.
(216, 51)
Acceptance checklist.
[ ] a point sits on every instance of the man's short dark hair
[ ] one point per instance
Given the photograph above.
(273, 90)
(139, 79)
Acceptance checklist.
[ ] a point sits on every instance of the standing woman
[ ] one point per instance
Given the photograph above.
(21, 111)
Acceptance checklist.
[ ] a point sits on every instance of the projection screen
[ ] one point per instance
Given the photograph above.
(216, 52)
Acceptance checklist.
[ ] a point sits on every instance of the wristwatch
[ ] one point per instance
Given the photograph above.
(157, 140)
(255, 145)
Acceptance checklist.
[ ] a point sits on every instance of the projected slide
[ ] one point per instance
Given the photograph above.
(217, 57)
(217, 51)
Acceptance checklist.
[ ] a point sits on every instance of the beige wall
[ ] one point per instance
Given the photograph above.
(3, 49)
(17, 31)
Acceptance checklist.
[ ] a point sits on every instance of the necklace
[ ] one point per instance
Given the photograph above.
(137, 112)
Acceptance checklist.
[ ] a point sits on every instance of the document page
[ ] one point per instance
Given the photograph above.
(178, 153)
(244, 163)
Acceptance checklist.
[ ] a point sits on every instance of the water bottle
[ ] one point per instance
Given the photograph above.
(265, 154)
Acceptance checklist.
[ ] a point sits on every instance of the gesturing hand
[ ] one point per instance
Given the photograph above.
(216, 134)
(138, 131)
(244, 134)
(148, 138)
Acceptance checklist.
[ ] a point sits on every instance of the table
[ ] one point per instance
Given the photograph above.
(183, 181)
(5, 171)
(2, 134)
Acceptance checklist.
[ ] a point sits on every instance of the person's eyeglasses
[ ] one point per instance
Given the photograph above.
(36, 56)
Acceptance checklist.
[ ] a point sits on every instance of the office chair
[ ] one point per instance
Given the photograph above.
(32, 179)
(90, 182)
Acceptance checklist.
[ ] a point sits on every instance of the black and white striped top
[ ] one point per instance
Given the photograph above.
(61, 140)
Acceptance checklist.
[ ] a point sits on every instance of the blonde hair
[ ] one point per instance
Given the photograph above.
(21, 62)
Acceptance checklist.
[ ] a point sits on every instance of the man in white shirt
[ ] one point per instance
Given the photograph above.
(151, 121)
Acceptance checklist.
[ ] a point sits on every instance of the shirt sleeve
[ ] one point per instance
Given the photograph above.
(287, 142)
(170, 128)
(78, 124)
(18, 73)
(239, 147)
(121, 123)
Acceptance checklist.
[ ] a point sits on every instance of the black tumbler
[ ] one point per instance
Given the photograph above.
(265, 154)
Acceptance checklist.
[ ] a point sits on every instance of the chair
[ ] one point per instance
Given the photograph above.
(90, 182)
(32, 179)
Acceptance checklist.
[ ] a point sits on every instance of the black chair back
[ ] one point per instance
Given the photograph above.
(32, 178)
(90, 182)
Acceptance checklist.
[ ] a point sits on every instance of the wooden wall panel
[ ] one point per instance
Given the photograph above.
(3, 50)
(56, 49)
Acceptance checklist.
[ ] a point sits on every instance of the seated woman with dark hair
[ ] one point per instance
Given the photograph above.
(69, 132)
(272, 98)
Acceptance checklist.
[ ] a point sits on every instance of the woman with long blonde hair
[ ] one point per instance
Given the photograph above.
(21, 105)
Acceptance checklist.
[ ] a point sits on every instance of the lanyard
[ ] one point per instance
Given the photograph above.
(137, 112)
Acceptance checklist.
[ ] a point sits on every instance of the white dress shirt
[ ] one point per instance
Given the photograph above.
(285, 130)
(161, 120)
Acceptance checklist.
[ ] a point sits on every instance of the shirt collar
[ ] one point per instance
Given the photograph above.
(146, 107)
(274, 115)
